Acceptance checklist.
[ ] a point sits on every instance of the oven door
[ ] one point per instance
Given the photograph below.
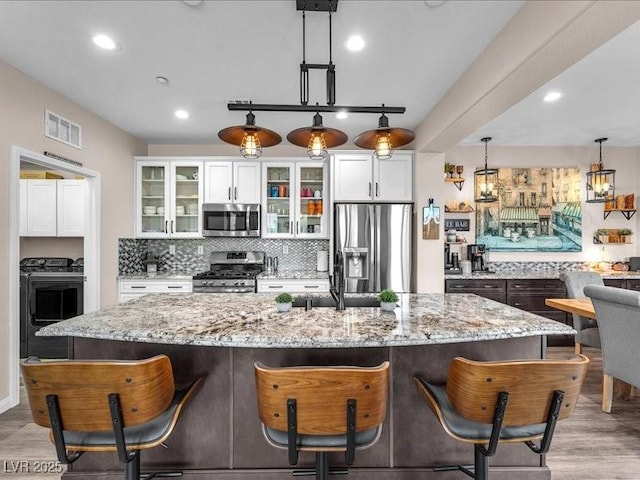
(49, 299)
(230, 220)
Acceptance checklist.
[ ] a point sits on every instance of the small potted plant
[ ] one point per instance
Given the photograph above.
(388, 299)
(284, 302)
(626, 235)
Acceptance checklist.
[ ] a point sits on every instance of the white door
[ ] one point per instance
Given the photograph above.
(278, 216)
(186, 195)
(41, 208)
(246, 188)
(152, 199)
(352, 177)
(218, 182)
(394, 179)
(71, 208)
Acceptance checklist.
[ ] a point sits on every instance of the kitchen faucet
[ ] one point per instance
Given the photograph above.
(337, 283)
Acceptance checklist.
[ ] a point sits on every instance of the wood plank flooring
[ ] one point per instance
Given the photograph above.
(590, 445)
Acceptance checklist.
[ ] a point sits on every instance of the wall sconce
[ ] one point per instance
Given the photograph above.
(486, 180)
(600, 182)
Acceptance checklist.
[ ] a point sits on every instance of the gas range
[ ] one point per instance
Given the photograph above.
(231, 272)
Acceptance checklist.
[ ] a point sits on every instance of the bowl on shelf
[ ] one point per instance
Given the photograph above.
(181, 177)
(149, 210)
(160, 210)
(192, 209)
(180, 210)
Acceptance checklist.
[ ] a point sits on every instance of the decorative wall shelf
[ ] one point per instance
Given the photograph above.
(611, 236)
(458, 182)
(627, 213)
(465, 210)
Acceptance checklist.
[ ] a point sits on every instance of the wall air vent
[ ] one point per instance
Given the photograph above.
(62, 130)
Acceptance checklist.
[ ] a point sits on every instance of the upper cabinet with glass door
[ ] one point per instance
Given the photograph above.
(168, 198)
(294, 200)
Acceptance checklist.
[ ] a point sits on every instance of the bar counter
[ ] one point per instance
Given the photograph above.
(220, 336)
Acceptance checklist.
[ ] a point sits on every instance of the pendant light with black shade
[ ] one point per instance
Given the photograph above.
(384, 139)
(486, 179)
(249, 137)
(600, 181)
(317, 138)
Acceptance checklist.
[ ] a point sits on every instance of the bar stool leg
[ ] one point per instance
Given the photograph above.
(481, 468)
(322, 466)
(132, 468)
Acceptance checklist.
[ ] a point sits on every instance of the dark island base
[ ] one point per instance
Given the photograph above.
(219, 436)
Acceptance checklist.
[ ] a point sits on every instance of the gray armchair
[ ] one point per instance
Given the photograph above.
(587, 328)
(618, 313)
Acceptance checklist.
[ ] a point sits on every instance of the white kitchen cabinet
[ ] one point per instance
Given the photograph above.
(295, 200)
(52, 208)
(169, 193)
(361, 177)
(293, 286)
(131, 289)
(71, 200)
(231, 182)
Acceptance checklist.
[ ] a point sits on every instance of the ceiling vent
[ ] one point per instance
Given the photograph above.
(62, 130)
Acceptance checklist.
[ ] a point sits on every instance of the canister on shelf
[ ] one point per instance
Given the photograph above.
(319, 207)
(620, 202)
(311, 208)
(274, 190)
(282, 191)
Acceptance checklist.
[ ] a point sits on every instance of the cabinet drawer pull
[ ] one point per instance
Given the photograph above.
(275, 286)
(175, 286)
(517, 304)
(312, 286)
(491, 286)
(139, 286)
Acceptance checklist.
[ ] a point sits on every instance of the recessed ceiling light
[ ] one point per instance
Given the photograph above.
(162, 80)
(341, 115)
(192, 3)
(552, 96)
(104, 41)
(354, 43)
(182, 114)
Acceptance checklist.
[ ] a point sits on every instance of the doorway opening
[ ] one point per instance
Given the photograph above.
(90, 249)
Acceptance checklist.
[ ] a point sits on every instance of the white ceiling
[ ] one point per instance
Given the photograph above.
(218, 51)
(601, 99)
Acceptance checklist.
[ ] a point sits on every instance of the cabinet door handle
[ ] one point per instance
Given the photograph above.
(291, 226)
(369, 188)
(229, 193)
(312, 286)
(139, 286)
(171, 226)
(377, 190)
(297, 226)
(166, 226)
(235, 193)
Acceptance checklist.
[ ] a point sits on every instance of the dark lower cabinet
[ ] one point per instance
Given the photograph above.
(529, 295)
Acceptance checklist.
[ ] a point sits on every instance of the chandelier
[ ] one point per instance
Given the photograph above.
(600, 182)
(486, 180)
(316, 138)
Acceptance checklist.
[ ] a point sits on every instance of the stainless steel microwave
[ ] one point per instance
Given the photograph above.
(231, 220)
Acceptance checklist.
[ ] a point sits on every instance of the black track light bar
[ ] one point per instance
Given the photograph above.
(263, 107)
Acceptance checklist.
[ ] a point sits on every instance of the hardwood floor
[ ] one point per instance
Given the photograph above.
(589, 445)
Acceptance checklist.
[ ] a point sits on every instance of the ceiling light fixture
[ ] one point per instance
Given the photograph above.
(600, 182)
(384, 139)
(249, 137)
(181, 114)
(105, 42)
(162, 80)
(552, 97)
(318, 138)
(486, 179)
(354, 43)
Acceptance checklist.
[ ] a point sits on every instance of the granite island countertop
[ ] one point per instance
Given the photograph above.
(251, 320)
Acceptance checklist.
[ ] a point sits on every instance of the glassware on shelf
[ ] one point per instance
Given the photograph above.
(451, 169)
(459, 170)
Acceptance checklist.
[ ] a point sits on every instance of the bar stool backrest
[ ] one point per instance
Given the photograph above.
(473, 388)
(321, 395)
(145, 387)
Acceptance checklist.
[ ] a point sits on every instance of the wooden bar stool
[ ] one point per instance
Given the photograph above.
(98, 406)
(487, 403)
(322, 409)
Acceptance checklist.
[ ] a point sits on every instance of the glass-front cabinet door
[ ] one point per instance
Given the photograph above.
(187, 193)
(169, 199)
(152, 203)
(311, 201)
(278, 213)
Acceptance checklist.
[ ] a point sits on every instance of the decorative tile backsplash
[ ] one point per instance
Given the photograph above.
(301, 254)
(538, 267)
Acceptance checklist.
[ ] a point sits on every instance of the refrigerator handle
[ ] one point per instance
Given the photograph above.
(377, 248)
(372, 250)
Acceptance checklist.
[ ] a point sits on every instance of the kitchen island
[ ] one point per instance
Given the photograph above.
(221, 336)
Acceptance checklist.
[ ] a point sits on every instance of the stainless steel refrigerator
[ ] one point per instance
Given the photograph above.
(375, 240)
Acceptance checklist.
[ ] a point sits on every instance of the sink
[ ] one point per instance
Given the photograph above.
(329, 302)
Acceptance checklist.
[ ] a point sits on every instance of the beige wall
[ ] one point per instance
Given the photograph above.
(106, 149)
